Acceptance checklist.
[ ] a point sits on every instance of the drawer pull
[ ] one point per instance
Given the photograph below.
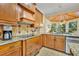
(54, 39)
(11, 47)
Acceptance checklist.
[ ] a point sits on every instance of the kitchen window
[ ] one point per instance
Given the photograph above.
(72, 26)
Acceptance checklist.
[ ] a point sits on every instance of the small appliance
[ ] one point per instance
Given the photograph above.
(7, 32)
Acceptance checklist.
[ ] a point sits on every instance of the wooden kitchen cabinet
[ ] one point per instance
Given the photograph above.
(19, 12)
(32, 46)
(40, 40)
(60, 43)
(38, 16)
(43, 39)
(37, 40)
(15, 52)
(25, 14)
(53, 41)
(12, 49)
(8, 12)
(48, 40)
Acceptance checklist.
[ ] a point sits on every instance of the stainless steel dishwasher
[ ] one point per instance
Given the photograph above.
(72, 45)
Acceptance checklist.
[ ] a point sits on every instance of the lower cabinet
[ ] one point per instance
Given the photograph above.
(54, 41)
(15, 52)
(48, 40)
(44, 40)
(36, 40)
(33, 46)
(12, 49)
(28, 47)
(60, 43)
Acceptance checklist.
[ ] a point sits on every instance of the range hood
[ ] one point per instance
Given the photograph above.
(26, 18)
(25, 21)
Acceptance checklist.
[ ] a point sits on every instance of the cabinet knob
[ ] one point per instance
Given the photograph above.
(11, 47)
(54, 39)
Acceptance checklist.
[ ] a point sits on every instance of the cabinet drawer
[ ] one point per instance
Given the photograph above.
(9, 47)
(14, 52)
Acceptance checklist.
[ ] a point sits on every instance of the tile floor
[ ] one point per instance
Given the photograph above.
(49, 52)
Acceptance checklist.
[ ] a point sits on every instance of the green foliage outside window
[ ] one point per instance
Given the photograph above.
(61, 28)
(53, 28)
(72, 26)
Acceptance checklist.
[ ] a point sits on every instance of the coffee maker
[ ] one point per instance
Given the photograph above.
(7, 32)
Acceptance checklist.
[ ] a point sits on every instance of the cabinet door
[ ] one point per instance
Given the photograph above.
(43, 39)
(15, 52)
(11, 49)
(38, 18)
(19, 12)
(60, 43)
(40, 40)
(46, 41)
(8, 12)
(28, 47)
(36, 40)
(33, 45)
(50, 41)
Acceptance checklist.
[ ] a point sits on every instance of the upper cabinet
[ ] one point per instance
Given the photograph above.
(12, 13)
(38, 17)
(29, 14)
(26, 7)
(8, 12)
(19, 12)
(25, 14)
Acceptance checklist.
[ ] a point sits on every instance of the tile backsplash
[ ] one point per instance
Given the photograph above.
(16, 30)
(22, 30)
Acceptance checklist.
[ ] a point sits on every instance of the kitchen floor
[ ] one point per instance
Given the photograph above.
(49, 52)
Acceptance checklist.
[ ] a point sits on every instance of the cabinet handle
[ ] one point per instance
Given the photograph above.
(54, 39)
(11, 47)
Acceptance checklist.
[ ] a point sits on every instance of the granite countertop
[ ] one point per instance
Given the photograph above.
(18, 38)
(3, 42)
(68, 35)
